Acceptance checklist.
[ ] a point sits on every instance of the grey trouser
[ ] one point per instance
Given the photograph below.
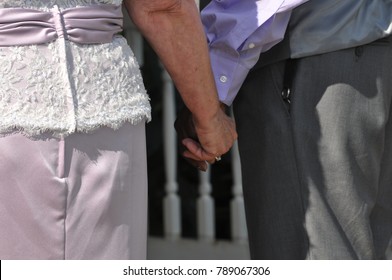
(81, 197)
(317, 173)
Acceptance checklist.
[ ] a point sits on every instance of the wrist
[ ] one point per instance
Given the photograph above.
(207, 117)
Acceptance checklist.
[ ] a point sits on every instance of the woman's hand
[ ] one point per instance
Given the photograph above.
(204, 142)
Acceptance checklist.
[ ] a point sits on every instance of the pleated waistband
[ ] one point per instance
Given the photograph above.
(85, 25)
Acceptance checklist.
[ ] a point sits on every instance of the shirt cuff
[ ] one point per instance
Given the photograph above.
(229, 74)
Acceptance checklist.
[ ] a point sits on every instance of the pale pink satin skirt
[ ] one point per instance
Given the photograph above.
(81, 197)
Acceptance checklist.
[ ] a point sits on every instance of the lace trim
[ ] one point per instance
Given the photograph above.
(106, 84)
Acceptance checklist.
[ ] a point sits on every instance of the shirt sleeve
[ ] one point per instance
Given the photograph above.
(237, 32)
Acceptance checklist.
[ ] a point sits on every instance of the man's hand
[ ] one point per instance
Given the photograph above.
(186, 131)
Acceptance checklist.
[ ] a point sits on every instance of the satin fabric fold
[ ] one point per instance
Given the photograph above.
(85, 25)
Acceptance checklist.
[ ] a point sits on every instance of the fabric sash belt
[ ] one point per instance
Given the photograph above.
(85, 25)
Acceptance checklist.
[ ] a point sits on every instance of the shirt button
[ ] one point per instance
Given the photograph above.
(251, 45)
(223, 79)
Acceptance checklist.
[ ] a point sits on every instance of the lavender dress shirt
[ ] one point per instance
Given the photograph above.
(238, 31)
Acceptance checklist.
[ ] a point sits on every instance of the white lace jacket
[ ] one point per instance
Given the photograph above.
(49, 88)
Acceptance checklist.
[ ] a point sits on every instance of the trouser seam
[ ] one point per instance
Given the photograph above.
(296, 166)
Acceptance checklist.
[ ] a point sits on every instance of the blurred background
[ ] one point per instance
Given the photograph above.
(192, 214)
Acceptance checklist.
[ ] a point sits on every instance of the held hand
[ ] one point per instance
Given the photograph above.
(186, 132)
(205, 142)
(216, 137)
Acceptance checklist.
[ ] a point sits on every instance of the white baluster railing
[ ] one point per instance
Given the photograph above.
(197, 3)
(171, 203)
(237, 209)
(205, 208)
